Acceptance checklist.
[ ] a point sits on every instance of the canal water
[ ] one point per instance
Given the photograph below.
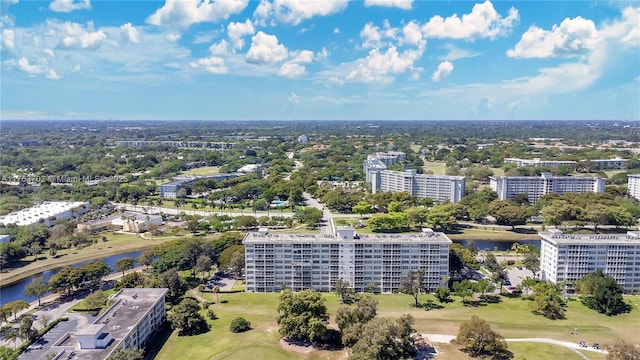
(14, 291)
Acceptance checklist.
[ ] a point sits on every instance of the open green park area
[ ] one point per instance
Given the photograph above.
(117, 243)
(511, 318)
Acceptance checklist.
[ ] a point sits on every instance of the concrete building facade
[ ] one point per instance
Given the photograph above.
(317, 261)
(633, 186)
(569, 257)
(508, 187)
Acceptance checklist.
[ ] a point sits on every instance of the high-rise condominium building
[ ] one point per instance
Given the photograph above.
(317, 261)
(508, 187)
(568, 257)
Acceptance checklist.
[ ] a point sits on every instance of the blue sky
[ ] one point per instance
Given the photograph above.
(295, 59)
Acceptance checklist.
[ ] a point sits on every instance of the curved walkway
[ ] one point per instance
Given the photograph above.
(442, 338)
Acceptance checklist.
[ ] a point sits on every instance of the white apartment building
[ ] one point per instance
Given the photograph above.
(568, 257)
(508, 187)
(614, 163)
(537, 162)
(134, 316)
(440, 188)
(317, 261)
(633, 186)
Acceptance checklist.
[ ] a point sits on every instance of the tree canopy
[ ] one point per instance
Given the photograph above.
(602, 293)
(187, 318)
(302, 315)
(479, 340)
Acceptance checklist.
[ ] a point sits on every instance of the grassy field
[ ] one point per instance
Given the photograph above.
(203, 171)
(511, 318)
(438, 168)
(117, 243)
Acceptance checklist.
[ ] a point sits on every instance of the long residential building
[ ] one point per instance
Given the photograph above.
(133, 317)
(633, 186)
(508, 187)
(317, 261)
(565, 258)
(537, 162)
(440, 188)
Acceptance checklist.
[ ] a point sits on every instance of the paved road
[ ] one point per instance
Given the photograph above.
(326, 224)
(442, 338)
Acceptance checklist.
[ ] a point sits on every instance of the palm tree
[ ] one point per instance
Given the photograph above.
(12, 335)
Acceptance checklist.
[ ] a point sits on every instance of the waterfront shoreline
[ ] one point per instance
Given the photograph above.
(19, 274)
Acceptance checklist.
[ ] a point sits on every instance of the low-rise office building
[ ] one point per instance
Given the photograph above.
(508, 187)
(170, 189)
(568, 257)
(46, 213)
(317, 261)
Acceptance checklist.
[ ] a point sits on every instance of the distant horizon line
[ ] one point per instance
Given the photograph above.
(328, 120)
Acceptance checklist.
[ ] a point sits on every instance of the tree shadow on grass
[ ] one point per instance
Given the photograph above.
(429, 305)
(156, 342)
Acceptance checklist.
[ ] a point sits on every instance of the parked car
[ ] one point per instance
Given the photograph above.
(583, 343)
(596, 346)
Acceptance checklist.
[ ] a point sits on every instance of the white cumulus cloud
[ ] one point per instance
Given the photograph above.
(173, 37)
(7, 39)
(402, 4)
(574, 37)
(184, 13)
(370, 36)
(219, 48)
(266, 49)
(483, 22)
(412, 34)
(379, 66)
(237, 30)
(626, 30)
(291, 70)
(129, 33)
(53, 75)
(213, 64)
(49, 52)
(78, 37)
(69, 5)
(295, 11)
(444, 69)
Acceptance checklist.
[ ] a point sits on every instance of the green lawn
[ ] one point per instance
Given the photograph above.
(542, 351)
(511, 318)
(437, 167)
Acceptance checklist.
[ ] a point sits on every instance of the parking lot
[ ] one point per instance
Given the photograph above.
(49, 338)
(224, 281)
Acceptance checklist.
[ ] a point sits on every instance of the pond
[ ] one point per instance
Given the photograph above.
(14, 291)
